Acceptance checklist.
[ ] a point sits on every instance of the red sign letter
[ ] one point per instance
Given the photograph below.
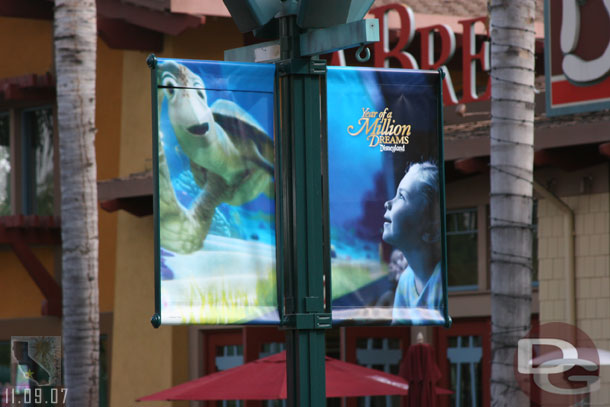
(406, 33)
(447, 50)
(469, 61)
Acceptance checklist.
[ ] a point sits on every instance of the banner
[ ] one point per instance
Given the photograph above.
(215, 217)
(215, 206)
(386, 197)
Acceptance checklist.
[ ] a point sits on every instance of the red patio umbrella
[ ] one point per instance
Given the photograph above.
(422, 373)
(265, 379)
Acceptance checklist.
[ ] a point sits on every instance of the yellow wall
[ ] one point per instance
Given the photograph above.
(141, 355)
(20, 297)
(26, 46)
(107, 143)
(144, 359)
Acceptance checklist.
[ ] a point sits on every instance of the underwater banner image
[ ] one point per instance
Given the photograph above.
(215, 214)
(386, 197)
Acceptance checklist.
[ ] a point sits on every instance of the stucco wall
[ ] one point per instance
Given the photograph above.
(592, 255)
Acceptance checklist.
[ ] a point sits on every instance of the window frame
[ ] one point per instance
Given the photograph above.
(468, 287)
(19, 181)
(28, 179)
(464, 327)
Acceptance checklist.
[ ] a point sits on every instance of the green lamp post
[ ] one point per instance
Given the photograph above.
(304, 29)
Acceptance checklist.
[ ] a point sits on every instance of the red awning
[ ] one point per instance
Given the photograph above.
(265, 379)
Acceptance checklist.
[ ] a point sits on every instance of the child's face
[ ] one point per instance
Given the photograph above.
(403, 226)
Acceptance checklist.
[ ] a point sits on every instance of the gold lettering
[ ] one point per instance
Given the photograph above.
(374, 140)
(364, 124)
(382, 129)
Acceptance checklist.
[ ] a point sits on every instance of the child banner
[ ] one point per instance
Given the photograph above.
(386, 197)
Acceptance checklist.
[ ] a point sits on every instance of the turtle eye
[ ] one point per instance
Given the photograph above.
(169, 84)
(170, 92)
(168, 81)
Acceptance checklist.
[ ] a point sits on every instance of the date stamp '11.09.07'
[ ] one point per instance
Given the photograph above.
(35, 373)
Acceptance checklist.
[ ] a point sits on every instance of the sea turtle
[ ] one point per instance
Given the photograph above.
(231, 156)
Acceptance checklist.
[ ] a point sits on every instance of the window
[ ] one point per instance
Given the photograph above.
(464, 358)
(227, 357)
(268, 349)
(27, 177)
(379, 348)
(382, 354)
(38, 185)
(462, 258)
(464, 355)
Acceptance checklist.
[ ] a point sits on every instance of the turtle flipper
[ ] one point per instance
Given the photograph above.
(180, 232)
(200, 174)
(213, 195)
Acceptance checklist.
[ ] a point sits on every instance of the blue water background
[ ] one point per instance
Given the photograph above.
(352, 165)
(251, 87)
(362, 178)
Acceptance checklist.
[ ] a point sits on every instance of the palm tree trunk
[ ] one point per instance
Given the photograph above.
(75, 38)
(512, 136)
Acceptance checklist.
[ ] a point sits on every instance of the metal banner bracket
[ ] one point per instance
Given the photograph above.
(307, 321)
(302, 67)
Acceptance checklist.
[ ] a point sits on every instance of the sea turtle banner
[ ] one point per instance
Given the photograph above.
(214, 195)
(386, 197)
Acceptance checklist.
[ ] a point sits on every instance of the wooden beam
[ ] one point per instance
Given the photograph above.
(37, 9)
(29, 87)
(161, 5)
(474, 165)
(31, 229)
(165, 22)
(134, 185)
(569, 158)
(118, 34)
(43, 280)
(604, 149)
(138, 205)
(208, 8)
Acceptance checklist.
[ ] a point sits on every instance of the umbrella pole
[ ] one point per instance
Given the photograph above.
(300, 162)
